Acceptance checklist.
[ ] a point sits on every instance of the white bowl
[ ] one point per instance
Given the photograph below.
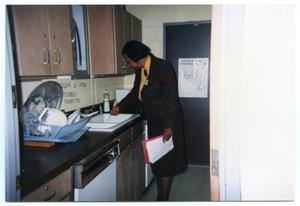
(51, 116)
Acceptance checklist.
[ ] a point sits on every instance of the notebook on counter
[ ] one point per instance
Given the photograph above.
(154, 148)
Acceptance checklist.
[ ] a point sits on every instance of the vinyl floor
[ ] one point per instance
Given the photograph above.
(193, 185)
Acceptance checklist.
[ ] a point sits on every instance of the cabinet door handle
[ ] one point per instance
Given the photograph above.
(53, 193)
(45, 56)
(58, 57)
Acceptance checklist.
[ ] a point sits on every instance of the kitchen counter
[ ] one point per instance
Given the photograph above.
(38, 165)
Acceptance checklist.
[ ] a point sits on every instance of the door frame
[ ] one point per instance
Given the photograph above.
(164, 56)
(226, 59)
(211, 163)
(208, 92)
(11, 126)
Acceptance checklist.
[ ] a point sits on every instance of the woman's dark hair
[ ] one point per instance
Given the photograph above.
(135, 50)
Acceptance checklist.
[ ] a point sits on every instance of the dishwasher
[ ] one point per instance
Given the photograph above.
(95, 175)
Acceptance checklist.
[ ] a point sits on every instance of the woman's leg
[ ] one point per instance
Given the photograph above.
(167, 182)
(159, 188)
(163, 188)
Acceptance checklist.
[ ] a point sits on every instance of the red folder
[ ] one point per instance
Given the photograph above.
(154, 148)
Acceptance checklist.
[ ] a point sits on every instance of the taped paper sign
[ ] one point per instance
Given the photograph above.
(193, 77)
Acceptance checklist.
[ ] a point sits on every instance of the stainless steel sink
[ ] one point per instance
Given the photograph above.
(109, 123)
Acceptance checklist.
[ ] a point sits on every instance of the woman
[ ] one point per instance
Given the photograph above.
(155, 96)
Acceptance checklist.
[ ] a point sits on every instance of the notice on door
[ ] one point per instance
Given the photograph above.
(193, 77)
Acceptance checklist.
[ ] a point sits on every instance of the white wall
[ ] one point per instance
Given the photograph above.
(252, 101)
(268, 103)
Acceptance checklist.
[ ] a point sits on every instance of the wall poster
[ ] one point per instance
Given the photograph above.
(193, 77)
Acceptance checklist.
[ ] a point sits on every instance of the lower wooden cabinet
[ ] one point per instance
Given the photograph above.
(131, 166)
(57, 189)
(124, 176)
(138, 168)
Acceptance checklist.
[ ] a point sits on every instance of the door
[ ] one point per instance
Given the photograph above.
(128, 36)
(138, 168)
(43, 40)
(124, 175)
(136, 29)
(32, 42)
(101, 39)
(191, 40)
(119, 14)
(60, 40)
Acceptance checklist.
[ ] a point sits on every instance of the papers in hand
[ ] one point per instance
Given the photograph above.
(154, 148)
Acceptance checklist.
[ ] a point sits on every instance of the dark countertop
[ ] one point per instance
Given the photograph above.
(40, 165)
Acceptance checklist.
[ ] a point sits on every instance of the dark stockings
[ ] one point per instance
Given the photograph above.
(163, 188)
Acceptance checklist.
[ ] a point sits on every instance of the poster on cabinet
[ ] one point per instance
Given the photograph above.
(193, 77)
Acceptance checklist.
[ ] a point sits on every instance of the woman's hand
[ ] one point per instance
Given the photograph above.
(167, 134)
(114, 110)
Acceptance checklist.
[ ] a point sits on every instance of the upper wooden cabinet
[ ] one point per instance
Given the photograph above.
(43, 40)
(119, 38)
(101, 39)
(128, 26)
(132, 31)
(109, 28)
(136, 29)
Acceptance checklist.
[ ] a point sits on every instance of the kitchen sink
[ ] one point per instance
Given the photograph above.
(109, 123)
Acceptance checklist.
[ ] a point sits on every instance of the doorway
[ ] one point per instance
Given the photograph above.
(191, 40)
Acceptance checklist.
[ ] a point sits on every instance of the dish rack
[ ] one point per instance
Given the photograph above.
(36, 131)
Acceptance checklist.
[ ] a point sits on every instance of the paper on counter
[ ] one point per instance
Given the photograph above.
(154, 148)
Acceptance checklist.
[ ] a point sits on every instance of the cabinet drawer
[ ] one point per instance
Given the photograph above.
(55, 190)
(125, 139)
(138, 130)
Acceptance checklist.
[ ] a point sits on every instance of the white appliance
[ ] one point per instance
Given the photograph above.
(95, 175)
(148, 171)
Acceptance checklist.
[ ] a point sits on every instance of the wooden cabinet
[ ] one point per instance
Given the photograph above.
(138, 160)
(132, 31)
(43, 40)
(124, 168)
(136, 29)
(120, 27)
(133, 28)
(109, 28)
(138, 168)
(128, 26)
(130, 165)
(57, 189)
(101, 39)
(125, 139)
(124, 175)
(106, 39)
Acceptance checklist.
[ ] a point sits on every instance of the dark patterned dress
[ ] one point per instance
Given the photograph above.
(161, 108)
